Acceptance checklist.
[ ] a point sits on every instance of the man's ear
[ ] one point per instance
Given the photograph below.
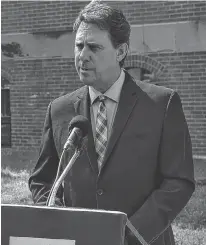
(122, 51)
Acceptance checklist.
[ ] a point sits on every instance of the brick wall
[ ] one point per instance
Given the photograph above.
(35, 82)
(185, 73)
(37, 16)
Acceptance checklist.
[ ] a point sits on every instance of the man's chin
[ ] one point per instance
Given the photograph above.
(87, 81)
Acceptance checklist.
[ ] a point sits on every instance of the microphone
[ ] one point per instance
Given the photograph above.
(78, 128)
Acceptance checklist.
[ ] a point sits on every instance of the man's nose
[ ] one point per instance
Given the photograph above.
(84, 54)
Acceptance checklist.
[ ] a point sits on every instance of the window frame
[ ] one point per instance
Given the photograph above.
(5, 114)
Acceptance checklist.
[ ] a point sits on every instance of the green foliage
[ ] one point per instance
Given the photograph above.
(12, 49)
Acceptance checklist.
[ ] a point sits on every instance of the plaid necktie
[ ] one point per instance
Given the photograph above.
(101, 131)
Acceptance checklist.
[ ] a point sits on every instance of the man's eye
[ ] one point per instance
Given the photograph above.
(94, 49)
(79, 46)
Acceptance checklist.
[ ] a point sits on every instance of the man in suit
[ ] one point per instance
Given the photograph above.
(137, 156)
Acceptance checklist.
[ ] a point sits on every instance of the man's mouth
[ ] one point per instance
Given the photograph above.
(84, 68)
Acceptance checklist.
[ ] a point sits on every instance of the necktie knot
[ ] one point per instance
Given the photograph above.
(101, 98)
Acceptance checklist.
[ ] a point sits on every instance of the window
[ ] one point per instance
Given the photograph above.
(134, 72)
(5, 114)
(137, 73)
(141, 74)
(144, 74)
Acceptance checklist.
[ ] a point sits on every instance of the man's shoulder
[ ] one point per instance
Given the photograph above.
(65, 103)
(154, 91)
(71, 97)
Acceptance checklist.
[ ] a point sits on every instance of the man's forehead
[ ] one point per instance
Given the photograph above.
(90, 33)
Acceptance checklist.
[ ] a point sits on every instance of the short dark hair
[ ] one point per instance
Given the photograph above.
(106, 18)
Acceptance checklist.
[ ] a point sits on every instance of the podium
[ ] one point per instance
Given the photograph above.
(41, 225)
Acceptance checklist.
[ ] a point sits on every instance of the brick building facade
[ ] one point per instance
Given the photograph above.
(38, 62)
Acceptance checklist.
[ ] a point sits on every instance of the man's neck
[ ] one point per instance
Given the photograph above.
(107, 85)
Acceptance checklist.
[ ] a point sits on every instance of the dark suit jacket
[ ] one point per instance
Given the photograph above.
(147, 171)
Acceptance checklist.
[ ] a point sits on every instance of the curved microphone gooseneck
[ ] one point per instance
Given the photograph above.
(78, 129)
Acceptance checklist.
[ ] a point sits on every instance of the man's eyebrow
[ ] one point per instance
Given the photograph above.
(79, 42)
(93, 44)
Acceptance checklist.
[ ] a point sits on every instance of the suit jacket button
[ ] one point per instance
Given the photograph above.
(100, 192)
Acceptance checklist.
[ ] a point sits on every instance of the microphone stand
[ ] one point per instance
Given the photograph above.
(58, 182)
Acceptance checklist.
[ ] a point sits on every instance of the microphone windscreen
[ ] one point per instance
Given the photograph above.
(80, 122)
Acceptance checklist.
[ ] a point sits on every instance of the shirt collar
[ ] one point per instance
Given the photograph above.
(113, 92)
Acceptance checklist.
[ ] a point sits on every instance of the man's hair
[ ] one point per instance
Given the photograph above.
(106, 18)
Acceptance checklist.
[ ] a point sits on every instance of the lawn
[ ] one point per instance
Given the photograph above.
(189, 227)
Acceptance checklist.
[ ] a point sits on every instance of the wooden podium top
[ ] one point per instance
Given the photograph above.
(32, 225)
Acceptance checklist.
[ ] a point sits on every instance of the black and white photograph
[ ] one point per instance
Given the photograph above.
(103, 122)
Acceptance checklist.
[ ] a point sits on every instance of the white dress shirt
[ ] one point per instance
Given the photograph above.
(111, 103)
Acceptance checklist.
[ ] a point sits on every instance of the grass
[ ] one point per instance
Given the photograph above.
(14, 187)
(193, 216)
(189, 226)
(188, 236)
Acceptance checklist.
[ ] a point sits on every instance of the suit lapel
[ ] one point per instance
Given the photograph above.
(128, 99)
(82, 108)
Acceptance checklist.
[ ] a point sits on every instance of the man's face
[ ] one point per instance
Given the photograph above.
(95, 57)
